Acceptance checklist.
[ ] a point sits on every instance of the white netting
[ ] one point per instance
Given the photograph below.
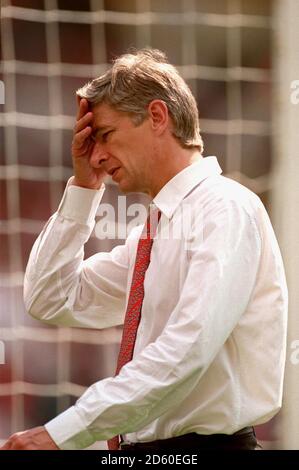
(228, 77)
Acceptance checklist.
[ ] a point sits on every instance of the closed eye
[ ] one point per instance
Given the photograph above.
(105, 136)
(98, 136)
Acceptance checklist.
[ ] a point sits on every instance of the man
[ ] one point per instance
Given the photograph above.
(205, 362)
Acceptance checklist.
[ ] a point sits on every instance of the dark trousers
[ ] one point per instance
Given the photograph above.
(244, 439)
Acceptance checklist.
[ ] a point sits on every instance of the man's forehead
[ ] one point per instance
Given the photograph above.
(104, 111)
(104, 116)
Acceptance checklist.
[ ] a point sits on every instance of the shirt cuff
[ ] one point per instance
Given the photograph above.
(80, 204)
(68, 431)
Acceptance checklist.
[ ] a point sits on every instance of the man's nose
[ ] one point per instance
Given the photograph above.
(98, 155)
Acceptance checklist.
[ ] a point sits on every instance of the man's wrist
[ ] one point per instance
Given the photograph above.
(75, 182)
(80, 204)
(68, 431)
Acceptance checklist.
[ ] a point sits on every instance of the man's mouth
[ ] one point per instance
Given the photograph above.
(114, 172)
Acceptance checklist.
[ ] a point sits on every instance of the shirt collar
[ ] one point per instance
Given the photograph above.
(174, 191)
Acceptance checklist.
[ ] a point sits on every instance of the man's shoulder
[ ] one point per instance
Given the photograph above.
(224, 190)
(222, 195)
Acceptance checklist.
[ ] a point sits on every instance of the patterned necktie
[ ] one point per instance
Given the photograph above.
(133, 313)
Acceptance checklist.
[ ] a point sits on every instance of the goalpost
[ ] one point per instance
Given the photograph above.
(218, 77)
(286, 198)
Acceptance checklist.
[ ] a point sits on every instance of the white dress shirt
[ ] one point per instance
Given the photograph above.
(211, 345)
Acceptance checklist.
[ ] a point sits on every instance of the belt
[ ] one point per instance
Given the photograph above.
(242, 439)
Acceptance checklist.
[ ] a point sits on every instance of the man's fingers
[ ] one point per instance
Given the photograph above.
(80, 137)
(80, 102)
(83, 122)
(13, 442)
(82, 107)
(6, 446)
(33, 439)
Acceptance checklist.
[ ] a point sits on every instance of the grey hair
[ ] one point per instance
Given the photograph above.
(135, 79)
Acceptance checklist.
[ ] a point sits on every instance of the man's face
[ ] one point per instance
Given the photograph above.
(122, 149)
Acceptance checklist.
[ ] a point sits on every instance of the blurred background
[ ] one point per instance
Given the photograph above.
(239, 57)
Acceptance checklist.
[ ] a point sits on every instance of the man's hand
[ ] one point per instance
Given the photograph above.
(33, 439)
(82, 148)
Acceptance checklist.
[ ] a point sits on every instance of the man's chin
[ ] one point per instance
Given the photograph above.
(124, 187)
(128, 188)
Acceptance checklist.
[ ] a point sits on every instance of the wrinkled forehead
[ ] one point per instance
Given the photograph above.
(106, 115)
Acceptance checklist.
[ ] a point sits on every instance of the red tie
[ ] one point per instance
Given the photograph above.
(133, 313)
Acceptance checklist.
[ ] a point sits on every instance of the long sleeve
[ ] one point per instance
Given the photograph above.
(63, 289)
(224, 259)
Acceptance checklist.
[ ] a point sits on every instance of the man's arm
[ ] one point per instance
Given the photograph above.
(59, 287)
(160, 377)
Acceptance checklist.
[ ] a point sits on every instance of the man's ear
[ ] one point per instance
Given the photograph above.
(158, 115)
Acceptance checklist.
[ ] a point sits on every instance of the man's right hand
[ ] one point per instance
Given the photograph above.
(85, 175)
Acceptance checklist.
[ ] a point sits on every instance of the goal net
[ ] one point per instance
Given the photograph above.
(48, 49)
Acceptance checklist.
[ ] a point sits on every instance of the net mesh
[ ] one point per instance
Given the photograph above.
(48, 49)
